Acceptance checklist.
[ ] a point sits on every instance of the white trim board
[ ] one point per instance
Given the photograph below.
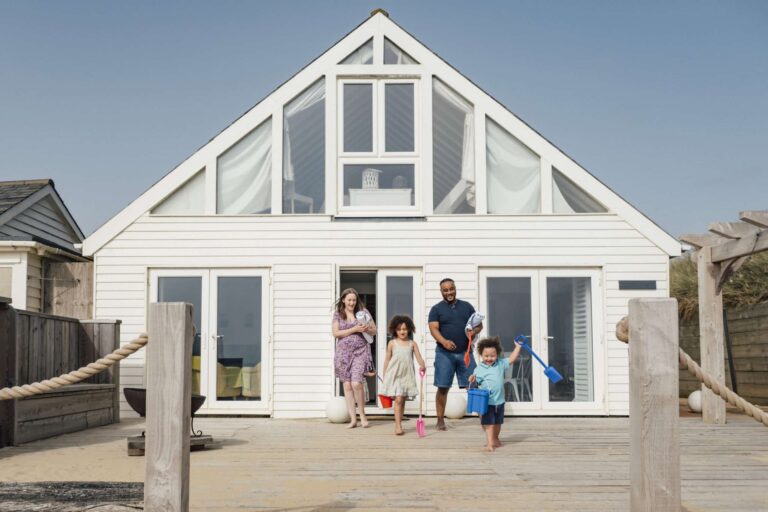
(377, 26)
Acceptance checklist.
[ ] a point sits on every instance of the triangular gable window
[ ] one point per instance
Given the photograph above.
(189, 199)
(363, 55)
(514, 173)
(394, 55)
(567, 197)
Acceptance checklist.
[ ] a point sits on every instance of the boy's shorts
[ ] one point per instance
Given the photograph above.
(494, 416)
(448, 364)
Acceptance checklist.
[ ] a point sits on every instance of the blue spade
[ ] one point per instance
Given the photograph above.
(549, 371)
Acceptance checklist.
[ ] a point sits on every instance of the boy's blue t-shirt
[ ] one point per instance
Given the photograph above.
(492, 379)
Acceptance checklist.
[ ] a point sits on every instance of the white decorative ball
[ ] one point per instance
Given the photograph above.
(336, 410)
(694, 401)
(456, 405)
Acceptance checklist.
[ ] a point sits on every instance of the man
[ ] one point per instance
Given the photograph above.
(447, 320)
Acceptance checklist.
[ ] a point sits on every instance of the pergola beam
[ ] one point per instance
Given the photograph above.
(742, 247)
(758, 218)
(703, 240)
(733, 229)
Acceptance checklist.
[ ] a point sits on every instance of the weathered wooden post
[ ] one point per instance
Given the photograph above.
(7, 370)
(711, 334)
(169, 388)
(654, 405)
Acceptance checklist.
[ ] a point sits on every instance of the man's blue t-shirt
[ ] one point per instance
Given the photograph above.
(452, 319)
(492, 379)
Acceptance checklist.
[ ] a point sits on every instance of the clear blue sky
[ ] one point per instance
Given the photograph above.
(666, 102)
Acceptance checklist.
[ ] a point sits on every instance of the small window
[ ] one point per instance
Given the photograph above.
(244, 174)
(6, 282)
(363, 55)
(379, 186)
(358, 117)
(394, 55)
(189, 199)
(514, 173)
(398, 118)
(567, 197)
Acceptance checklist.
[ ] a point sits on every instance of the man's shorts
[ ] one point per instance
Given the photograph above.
(494, 415)
(448, 364)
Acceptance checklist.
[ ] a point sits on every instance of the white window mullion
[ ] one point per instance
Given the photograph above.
(546, 186)
(331, 167)
(210, 187)
(424, 143)
(481, 183)
(277, 161)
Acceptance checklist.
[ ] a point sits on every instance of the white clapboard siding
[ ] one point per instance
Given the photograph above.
(34, 283)
(305, 252)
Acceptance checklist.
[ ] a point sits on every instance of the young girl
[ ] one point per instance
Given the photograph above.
(489, 375)
(399, 376)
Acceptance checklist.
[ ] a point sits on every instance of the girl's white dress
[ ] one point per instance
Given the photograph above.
(400, 379)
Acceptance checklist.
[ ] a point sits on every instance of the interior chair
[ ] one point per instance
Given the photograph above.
(226, 381)
(251, 381)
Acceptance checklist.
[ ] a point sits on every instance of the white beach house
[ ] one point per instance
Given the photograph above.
(380, 166)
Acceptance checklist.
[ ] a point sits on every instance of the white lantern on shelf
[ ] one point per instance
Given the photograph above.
(371, 178)
(336, 410)
(694, 401)
(456, 405)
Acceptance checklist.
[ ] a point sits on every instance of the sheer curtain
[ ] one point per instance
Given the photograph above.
(514, 173)
(189, 199)
(244, 174)
(393, 54)
(453, 134)
(567, 197)
(304, 151)
(363, 55)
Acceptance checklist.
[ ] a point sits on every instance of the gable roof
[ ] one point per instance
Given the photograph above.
(19, 198)
(379, 27)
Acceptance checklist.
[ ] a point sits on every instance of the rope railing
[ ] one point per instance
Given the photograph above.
(74, 376)
(687, 363)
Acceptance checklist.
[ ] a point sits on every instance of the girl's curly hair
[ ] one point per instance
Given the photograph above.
(397, 321)
(490, 342)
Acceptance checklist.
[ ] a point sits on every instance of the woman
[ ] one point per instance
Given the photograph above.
(353, 357)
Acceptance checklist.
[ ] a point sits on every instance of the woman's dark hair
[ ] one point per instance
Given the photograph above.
(339, 304)
(399, 320)
(490, 342)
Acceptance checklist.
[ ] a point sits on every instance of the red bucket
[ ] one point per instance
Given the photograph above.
(386, 401)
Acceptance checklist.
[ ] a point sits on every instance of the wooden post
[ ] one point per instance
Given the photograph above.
(654, 405)
(169, 390)
(711, 334)
(7, 370)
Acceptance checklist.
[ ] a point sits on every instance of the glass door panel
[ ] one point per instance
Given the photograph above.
(239, 332)
(570, 338)
(510, 313)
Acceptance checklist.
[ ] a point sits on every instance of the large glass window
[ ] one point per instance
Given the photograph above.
(244, 174)
(189, 199)
(304, 152)
(453, 151)
(513, 173)
(186, 289)
(567, 197)
(379, 186)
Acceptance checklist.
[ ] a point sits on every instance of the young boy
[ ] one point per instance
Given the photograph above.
(489, 375)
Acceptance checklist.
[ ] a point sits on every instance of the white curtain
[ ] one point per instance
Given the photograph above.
(567, 197)
(514, 173)
(394, 55)
(244, 174)
(363, 55)
(464, 188)
(189, 199)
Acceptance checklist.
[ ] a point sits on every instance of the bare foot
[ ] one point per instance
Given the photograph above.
(489, 448)
(364, 423)
(352, 425)
(399, 432)
(497, 444)
(440, 425)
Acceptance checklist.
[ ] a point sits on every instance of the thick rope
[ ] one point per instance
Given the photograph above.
(74, 376)
(686, 362)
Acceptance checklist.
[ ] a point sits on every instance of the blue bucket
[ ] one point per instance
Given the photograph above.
(477, 401)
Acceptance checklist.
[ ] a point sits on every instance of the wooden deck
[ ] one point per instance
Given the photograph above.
(564, 464)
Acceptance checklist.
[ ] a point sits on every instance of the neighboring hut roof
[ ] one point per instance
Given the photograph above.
(14, 192)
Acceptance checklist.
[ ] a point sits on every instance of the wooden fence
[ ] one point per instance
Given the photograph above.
(748, 332)
(36, 346)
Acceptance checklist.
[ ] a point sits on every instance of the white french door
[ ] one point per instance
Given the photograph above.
(398, 292)
(230, 355)
(560, 311)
